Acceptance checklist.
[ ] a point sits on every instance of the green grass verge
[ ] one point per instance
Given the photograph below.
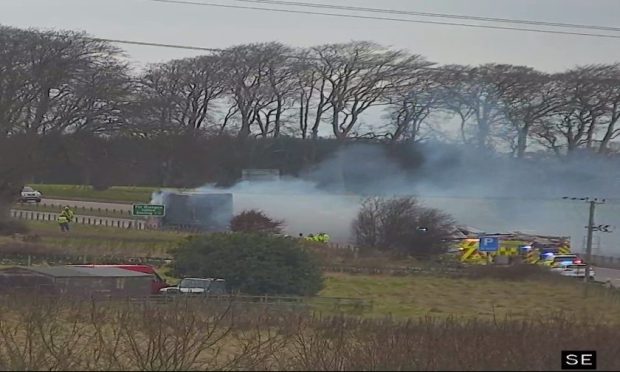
(415, 296)
(121, 194)
(102, 232)
(104, 241)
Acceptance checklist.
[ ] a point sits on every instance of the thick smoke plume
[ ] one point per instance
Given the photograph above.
(486, 191)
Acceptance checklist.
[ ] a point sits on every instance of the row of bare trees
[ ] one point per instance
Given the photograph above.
(66, 82)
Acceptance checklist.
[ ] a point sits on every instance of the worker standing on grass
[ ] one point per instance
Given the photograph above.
(66, 216)
(63, 222)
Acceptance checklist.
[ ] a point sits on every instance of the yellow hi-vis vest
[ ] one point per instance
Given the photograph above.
(63, 219)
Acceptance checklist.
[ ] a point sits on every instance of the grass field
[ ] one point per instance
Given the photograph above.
(103, 240)
(421, 295)
(121, 194)
(398, 296)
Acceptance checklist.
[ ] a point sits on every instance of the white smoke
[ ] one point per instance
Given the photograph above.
(486, 191)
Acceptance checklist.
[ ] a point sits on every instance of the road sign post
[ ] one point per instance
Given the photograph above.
(149, 210)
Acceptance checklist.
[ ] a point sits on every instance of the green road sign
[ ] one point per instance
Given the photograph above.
(148, 210)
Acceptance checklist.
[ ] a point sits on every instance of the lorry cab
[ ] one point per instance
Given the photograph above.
(158, 282)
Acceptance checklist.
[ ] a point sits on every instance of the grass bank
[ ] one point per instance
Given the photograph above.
(119, 194)
(423, 295)
(92, 241)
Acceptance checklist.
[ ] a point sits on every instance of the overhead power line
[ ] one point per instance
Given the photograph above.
(436, 15)
(145, 43)
(289, 11)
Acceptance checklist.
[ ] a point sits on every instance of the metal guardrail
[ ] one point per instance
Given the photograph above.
(606, 261)
(124, 223)
(390, 270)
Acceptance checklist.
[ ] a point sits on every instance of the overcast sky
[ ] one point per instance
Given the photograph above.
(144, 20)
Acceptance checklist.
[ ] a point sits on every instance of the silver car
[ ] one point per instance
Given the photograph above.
(197, 286)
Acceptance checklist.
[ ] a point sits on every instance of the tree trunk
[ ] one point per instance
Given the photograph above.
(521, 143)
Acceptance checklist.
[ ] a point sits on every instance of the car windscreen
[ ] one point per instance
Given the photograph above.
(217, 287)
(194, 283)
(564, 258)
(28, 189)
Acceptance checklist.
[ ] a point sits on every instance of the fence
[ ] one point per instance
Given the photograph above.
(124, 223)
(605, 261)
(293, 301)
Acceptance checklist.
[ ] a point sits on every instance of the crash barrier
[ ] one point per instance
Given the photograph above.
(123, 223)
(44, 207)
(606, 261)
(69, 259)
(395, 271)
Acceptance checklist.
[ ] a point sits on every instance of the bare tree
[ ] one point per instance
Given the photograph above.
(402, 226)
(526, 97)
(356, 76)
(589, 112)
(177, 96)
(410, 105)
(256, 79)
(471, 94)
(58, 82)
(52, 83)
(279, 92)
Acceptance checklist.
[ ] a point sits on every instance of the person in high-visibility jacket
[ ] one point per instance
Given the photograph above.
(63, 222)
(321, 238)
(66, 216)
(67, 212)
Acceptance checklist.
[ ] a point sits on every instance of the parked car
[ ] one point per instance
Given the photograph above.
(557, 260)
(197, 286)
(573, 270)
(29, 194)
(158, 282)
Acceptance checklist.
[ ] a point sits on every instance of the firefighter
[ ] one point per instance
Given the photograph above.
(63, 222)
(67, 212)
(322, 237)
(67, 217)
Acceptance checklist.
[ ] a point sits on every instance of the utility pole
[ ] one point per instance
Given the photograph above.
(591, 228)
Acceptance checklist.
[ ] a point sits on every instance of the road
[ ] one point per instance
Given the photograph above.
(87, 204)
(604, 274)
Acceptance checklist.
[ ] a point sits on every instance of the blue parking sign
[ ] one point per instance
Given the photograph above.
(488, 244)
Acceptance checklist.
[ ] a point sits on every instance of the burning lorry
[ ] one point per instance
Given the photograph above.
(194, 210)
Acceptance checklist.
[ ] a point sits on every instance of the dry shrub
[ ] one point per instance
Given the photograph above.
(255, 221)
(64, 334)
(402, 226)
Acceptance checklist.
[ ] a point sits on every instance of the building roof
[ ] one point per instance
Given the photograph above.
(73, 271)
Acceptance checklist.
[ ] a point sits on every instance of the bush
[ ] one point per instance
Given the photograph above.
(255, 221)
(255, 264)
(402, 226)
